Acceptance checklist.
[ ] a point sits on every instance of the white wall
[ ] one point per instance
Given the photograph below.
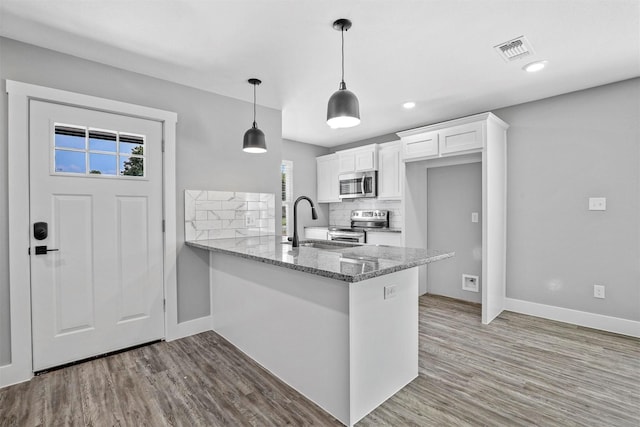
(209, 155)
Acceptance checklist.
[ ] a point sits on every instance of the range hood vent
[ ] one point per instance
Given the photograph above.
(514, 49)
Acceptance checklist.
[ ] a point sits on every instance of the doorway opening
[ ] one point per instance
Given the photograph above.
(454, 222)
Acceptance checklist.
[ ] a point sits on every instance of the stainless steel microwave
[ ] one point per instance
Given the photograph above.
(359, 184)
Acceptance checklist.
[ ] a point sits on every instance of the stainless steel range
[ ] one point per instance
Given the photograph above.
(361, 221)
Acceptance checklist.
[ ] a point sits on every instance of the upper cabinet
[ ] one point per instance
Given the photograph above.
(461, 136)
(391, 171)
(327, 179)
(359, 159)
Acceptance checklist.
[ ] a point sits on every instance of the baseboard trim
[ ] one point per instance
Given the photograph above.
(191, 327)
(11, 374)
(575, 317)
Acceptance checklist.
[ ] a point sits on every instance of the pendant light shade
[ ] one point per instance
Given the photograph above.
(254, 141)
(343, 110)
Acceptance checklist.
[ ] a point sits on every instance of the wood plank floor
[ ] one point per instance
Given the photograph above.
(519, 370)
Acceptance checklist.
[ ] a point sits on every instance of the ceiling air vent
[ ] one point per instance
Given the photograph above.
(514, 49)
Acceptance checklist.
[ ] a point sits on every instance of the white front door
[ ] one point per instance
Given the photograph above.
(97, 276)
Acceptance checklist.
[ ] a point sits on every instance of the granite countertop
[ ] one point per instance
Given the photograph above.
(334, 260)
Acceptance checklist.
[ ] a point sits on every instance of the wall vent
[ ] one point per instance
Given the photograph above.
(514, 49)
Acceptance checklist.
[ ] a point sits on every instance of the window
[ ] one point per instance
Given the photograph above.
(88, 151)
(286, 169)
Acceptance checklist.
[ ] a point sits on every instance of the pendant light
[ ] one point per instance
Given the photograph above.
(343, 110)
(254, 141)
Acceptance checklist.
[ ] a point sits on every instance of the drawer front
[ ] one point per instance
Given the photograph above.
(461, 138)
(421, 145)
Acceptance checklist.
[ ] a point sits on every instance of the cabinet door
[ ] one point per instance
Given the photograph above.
(366, 160)
(461, 138)
(327, 179)
(384, 238)
(347, 162)
(389, 173)
(420, 146)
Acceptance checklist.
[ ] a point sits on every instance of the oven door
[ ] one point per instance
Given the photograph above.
(347, 236)
(355, 185)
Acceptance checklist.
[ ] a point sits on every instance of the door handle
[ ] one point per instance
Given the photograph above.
(42, 250)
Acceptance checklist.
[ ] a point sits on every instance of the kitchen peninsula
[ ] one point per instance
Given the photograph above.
(339, 323)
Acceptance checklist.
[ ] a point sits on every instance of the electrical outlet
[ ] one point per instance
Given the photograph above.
(474, 216)
(390, 291)
(598, 291)
(250, 219)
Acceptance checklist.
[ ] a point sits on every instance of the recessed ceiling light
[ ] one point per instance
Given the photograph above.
(534, 66)
(408, 105)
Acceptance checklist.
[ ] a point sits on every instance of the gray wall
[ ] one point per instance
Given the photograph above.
(561, 151)
(453, 193)
(303, 157)
(209, 155)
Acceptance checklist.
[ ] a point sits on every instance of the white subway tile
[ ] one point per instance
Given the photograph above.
(207, 205)
(227, 214)
(208, 225)
(234, 205)
(220, 195)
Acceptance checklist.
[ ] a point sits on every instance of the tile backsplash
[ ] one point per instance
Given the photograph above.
(340, 213)
(228, 214)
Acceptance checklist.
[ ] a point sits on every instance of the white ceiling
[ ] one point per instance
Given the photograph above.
(438, 53)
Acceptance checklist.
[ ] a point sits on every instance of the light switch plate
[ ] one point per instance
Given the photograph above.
(597, 203)
(474, 216)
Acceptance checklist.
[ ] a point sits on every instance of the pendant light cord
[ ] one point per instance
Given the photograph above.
(254, 105)
(342, 33)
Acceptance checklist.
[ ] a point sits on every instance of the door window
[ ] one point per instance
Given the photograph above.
(86, 151)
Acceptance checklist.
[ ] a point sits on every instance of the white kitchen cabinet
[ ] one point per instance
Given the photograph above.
(359, 159)
(391, 171)
(328, 189)
(420, 146)
(316, 233)
(387, 238)
(461, 136)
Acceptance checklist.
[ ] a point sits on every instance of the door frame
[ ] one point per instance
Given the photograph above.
(20, 94)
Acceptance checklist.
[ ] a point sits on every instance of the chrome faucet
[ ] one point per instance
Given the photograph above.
(314, 215)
